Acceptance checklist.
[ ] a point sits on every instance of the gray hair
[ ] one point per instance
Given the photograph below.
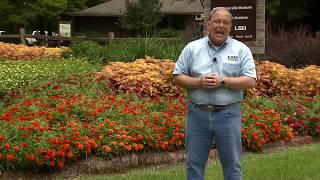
(216, 9)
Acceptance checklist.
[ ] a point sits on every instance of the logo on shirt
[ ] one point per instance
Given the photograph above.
(232, 58)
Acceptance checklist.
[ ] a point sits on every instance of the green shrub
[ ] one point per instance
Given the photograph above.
(126, 51)
(91, 51)
(168, 33)
(133, 49)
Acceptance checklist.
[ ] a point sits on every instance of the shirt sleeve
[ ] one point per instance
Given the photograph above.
(248, 67)
(183, 62)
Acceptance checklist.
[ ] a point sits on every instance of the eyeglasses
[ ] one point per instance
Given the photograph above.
(218, 22)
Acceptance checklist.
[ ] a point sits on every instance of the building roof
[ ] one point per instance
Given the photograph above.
(118, 8)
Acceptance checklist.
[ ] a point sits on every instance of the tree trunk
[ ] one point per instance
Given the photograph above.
(206, 11)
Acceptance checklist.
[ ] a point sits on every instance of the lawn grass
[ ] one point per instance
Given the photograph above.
(299, 163)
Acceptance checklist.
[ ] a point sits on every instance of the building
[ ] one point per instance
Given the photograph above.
(104, 18)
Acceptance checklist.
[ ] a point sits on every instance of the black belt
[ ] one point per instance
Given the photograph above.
(212, 107)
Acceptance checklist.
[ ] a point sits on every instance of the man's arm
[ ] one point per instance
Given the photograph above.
(187, 82)
(211, 82)
(239, 83)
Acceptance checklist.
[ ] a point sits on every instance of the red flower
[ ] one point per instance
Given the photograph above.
(60, 153)
(24, 144)
(52, 163)
(100, 137)
(93, 144)
(16, 148)
(80, 147)
(66, 147)
(10, 157)
(69, 154)
(31, 157)
(140, 146)
(40, 151)
(60, 164)
(140, 137)
(7, 146)
(88, 148)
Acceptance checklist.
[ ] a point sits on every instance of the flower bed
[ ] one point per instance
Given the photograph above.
(56, 122)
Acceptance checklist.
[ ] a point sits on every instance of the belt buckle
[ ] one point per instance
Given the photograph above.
(210, 108)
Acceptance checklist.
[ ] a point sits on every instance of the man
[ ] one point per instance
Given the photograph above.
(215, 70)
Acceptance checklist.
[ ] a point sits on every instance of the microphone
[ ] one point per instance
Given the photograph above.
(214, 59)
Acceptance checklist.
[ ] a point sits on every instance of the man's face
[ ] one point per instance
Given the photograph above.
(219, 27)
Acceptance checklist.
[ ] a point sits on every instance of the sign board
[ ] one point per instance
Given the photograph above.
(65, 28)
(244, 17)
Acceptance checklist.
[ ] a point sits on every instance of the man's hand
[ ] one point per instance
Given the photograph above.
(210, 81)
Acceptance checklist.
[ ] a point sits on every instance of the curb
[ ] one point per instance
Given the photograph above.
(97, 165)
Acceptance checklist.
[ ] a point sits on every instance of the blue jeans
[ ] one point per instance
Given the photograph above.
(225, 127)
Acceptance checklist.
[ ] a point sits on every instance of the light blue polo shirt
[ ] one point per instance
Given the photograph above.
(200, 57)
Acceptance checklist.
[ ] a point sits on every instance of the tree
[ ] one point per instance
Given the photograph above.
(10, 13)
(141, 15)
(289, 14)
(37, 14)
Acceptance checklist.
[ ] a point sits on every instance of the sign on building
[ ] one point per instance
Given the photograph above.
(65, 28)
(248, 24)
(244, 17)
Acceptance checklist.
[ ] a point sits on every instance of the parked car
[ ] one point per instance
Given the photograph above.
(34, 41)
(8, 39)
(51, 43)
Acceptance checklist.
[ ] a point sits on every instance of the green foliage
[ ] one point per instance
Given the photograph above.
(126, 51)
(88, 50)
(37, 12)
(290, 13)
(141, 16)
(62, 84)
(15, 74)
(5, 8)
(168, 33)
(139, 48)
(74, 5)
(49, 8)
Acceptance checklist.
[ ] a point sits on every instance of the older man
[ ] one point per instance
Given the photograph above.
(215, 70)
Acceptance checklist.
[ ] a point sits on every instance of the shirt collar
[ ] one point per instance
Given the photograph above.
(223, 45)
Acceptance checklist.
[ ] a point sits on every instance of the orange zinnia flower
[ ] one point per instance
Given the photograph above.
(113, 143)
(106, 148)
